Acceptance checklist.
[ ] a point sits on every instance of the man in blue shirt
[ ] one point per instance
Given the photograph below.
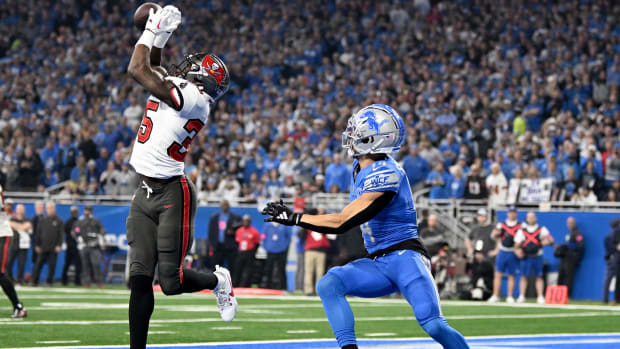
(275, 239)
(416, 167)
(533, 113)
(439, 180)
(337, 174)
(382, 205)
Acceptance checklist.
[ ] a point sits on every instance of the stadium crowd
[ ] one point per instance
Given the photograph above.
(529, 90)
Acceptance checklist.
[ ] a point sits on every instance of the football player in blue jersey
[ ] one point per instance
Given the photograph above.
(381, 203)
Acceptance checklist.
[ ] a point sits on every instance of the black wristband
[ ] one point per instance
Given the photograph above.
(296, 218)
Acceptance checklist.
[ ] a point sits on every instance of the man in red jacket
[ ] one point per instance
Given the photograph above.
(247, 238)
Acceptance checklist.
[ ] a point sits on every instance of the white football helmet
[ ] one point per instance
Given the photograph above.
(375, 129)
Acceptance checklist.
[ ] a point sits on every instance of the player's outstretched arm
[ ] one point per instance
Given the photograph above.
(360, 211)
(140, 66)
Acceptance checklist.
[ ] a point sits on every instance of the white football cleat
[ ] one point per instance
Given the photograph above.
(493, 299)
(540, 300)
(521, 299)
(224, 294)
(510, 300)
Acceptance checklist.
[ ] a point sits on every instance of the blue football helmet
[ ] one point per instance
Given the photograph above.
(375, 129)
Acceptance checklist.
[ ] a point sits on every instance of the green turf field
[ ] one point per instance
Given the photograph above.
(74, 316)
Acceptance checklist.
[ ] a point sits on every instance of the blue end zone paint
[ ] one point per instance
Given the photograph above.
(562, 341)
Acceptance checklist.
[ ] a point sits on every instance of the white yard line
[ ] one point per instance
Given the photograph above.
(317, 319)
(69, 341)
(94, 293)
(230, 328)
(379, 334)
(301, 331)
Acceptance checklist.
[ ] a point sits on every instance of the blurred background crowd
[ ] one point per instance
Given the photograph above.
(527, 90)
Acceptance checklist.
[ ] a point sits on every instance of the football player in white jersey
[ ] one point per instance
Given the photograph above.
(160, 225)
(6, 234)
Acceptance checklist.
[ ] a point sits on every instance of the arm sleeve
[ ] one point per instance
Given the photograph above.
(361, 217)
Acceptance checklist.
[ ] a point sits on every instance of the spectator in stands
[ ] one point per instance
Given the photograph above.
(480, 237)
(109, 180)
(248, 239)
(568, 188)
(457, 184)
(439, 180)
(221, 233)
(433, 235)
(302, 98)
(337, 174)
(612, 166)
(614, 192)
(475, 186)
(30, 170)
(570, 253)
(22, 228)
(48, 243)
(591, 180)
(496, 185)
(529, 240)
(229, 189)
(416, 167)
(275, 239)
(126, 180)
(72, 255)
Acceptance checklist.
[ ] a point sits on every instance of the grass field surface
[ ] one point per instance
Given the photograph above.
(81, 317)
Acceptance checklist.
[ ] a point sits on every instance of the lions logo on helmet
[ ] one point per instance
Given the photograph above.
(375, 129)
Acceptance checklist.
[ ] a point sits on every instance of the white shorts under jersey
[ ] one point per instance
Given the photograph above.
(165, 133)
(5, 227)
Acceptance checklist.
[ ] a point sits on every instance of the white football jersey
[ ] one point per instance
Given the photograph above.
(5, 227)
(165, 133)
(498, 189)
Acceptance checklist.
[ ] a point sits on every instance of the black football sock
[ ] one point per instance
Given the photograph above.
(141, 303)
(194, 281)
(350, 346)
(9, 289)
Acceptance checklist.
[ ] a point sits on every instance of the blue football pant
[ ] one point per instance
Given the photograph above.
(406, 271)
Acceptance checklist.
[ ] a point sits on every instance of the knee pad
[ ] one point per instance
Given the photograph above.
(169, 279)
(329, 284)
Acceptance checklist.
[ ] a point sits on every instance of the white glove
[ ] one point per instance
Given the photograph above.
(160, 26)
(172, 23)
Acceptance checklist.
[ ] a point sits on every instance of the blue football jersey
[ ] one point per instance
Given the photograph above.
(397, 222)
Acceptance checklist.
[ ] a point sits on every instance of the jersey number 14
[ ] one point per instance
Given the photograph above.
(174, 150)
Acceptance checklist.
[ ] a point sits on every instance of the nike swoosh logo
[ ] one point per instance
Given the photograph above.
(167, 206)
(158, 23)
(401, 252)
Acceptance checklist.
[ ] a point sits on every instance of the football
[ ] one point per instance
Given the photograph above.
(142, 14)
